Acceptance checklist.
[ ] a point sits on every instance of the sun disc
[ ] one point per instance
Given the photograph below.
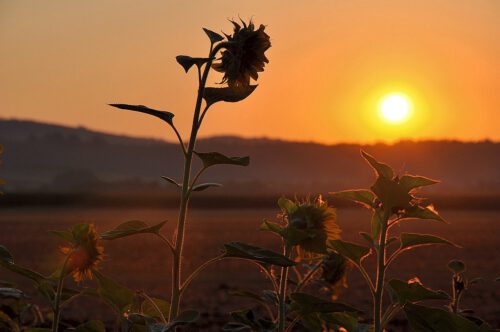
(395, 108)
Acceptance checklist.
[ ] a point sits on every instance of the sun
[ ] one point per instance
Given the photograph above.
(395, 108)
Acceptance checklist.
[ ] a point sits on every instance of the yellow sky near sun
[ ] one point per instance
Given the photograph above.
(331, 63)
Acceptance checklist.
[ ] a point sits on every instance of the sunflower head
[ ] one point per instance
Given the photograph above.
(310, 225)
(243, 55)
(334, 267)
(84, 254)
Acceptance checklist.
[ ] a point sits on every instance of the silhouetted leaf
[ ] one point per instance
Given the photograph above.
(216, 158)
(65, 235)
(360, 196)
(92, 326)
(391, 194)
(117, 296)
(410, 182)
(376, 225)
(184, 318)
(261, 255)
(227, 94)
(348, 321)
(12, 293)
(428, 319)
(456, 266)
(367, 237)
(272, 227)
(165, 116)
(381, 169)
(27, 273)
(419, 212)
(308, 304)
(403, 292)
(172, 181)
(5, 255)
(287, 205)
(203, 186)
(411, 240)
(349, 250)
(130, 228)
(213, 36)
(149, 310)
(187, 62)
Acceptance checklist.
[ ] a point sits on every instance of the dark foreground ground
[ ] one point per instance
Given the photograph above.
(142, 263)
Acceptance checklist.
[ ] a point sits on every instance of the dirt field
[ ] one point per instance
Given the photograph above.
(139, 263)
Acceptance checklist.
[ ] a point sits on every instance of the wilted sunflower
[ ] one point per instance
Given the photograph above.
(243, 55)
(311, 225)
(84, 254)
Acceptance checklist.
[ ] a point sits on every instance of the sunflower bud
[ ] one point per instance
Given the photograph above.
(243, 55)
(334, 268)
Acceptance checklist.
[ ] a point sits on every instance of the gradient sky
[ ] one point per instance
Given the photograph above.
(331, 62)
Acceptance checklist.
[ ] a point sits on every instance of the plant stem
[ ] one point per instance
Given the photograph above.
(282, 292)
(379, 284)
(179, 241)
(57, 299)
(308, 276)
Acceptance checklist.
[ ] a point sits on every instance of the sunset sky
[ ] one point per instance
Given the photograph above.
(331, 64)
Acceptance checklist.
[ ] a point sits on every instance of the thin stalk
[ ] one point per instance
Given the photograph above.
(368, 280)
(179, 241)
(381, 265)
(282, 292)
(293, 323)
(200, 268)
(58, 295)
(389, 314)
(167, 242)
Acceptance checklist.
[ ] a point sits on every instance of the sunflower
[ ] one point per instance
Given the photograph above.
(85, 254)
(310, 226)
(334, 267)
(243, 55)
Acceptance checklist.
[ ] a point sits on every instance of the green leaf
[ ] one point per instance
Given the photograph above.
(376, 225)
(403, 292)
(163, 115)
(149, 310)
(27, 273)
(184, 318)
(5, 255)
(12, 293)
(412, 240)
(187, 62)
(249, 295)
(131, 228)
(368, 238)
(428, 319)
(272, 227)
(227, 94)
(216, 158)
(410, 182)
(352, 251)
(287, 205)
(172, 181)
(65, 235)
(213, 36)
(348, 321)
(204, 186)
(381, 169)
(117, 296)
(456, 266)
(92, 326)
(360, 196)
(419, 212)
(261, 255)
(307, 304)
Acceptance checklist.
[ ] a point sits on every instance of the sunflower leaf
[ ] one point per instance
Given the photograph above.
(204, 186)
(216, 158)
(163, 115)
(227, 94)
(307, 304)
(423, 318)
(419, 212)
(410, 182)
(131, 228)
(187, 62)
(360, 196)
(382, 170)
(352, 251)
(261, 255)
(172, 181)
(92, 326)
(412, 240)
(403, 292)
(117, 296)
(5, 255)
(213, 36)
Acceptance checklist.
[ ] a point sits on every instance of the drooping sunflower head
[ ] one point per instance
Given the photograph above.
(243, 55)
(311, 224)
(84, 253)
(334, 267)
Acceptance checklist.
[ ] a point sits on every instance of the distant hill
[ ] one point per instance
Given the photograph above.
(54, 158)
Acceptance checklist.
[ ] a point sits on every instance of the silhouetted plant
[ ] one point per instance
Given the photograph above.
(242, 56)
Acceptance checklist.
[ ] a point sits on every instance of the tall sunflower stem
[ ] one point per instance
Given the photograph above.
(180, 234)
(282, 291)
(58, 295)
(380, 278)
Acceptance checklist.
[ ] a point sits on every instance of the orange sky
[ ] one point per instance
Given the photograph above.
(331, 62)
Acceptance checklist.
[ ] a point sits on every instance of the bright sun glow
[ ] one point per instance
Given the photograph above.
(395, 108)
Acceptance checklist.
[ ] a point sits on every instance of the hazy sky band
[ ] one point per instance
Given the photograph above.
(331, 61)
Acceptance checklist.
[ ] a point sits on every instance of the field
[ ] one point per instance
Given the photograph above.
(138, 263)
